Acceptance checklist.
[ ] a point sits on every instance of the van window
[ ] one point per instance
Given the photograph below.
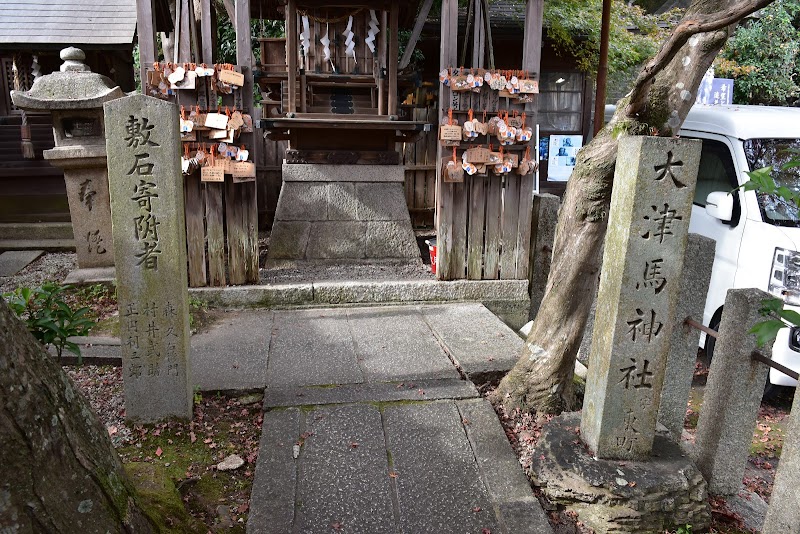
(776, 153)
(716, 172)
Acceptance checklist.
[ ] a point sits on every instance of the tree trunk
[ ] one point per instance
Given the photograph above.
(658, 104)
(60, 472)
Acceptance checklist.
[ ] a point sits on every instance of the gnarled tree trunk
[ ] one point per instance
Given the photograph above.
(658, 104)
(58, 469)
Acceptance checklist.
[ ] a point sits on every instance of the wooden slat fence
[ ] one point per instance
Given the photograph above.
(420, 161)
(484, 222)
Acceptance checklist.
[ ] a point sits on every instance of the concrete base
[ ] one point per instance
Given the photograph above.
(92, 275)
(342, 212)
(655, 495)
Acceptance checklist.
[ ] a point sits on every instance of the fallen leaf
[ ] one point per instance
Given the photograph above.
(242, 508)
(207, 441)
(159, 452)
(486, 531)
(336, 526)
(476, 509)
(112, 430)
(392, 474)
(192, 437)
(353, 444)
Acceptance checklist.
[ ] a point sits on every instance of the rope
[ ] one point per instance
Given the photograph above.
(334, 20)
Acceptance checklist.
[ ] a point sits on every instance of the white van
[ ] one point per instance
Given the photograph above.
(758, 236)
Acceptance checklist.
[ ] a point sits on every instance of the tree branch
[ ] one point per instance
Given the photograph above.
(689, 26)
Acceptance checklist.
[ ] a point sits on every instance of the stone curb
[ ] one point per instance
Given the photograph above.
(413, 390)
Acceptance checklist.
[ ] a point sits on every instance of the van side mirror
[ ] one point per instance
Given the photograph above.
(719, 205)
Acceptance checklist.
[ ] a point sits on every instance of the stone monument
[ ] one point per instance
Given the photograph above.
(147, 208)
(75, 97)
(613, 468)
(639, 286)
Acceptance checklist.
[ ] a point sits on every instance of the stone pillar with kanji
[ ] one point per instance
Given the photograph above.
(147, 211)
(648, 227)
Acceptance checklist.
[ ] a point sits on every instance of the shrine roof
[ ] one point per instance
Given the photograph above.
(67, 22)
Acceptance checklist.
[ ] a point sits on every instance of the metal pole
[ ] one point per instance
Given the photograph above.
(602, 69)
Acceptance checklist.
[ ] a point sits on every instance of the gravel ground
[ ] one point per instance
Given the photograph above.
(102, 386)
(53, 266)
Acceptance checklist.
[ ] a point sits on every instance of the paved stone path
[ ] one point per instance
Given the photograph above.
(372, 425)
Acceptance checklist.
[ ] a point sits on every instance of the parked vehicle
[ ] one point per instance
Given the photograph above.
(757, 235)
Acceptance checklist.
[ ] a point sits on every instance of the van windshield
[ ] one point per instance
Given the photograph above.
(776, 153)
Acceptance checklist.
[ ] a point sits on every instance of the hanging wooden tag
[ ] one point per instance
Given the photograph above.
(244, 171)
(231, 77)
(236, 121)
(478, 155)
(247, 126)
(513, 159)
(452, 171)
(212, 174)
(189, 81)
(218, 135)
(217, 121)
(448, 132)
(516, 122)
(189, 136)
(529, 86)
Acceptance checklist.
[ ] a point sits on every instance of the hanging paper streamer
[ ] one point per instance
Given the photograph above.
(305, 36)
(350, 39)
(373, 30)
(326, 46)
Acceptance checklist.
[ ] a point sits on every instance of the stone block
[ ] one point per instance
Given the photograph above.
(289, 240)
(390, 239)
(683, 345)
(613, 496)
(382, 202)
(146, 189)
(309, 172)
(545, 217)
(302, 202)
(13, 261)
(336, 240)
(343, 204)
(639, 285)
(732, 395)
(90, 212)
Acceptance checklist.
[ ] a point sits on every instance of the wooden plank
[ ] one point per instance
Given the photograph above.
(195, 232)
(415, 33)
(509, 226)
(382, 51)
(494, 206)
(393, 51)
(207, 46)
(216, 235)
(458, 257)
(477, 218)
(532, 47)
(444, 209)
(524, 227)
(291, 53)
(147, 36)
(234, 226)
(479, 37)
(184, 37)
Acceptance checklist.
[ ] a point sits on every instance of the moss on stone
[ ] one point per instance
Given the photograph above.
(160, 500)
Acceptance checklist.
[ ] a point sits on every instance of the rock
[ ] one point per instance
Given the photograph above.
(234, 461)
(252, 398)
(224, 519)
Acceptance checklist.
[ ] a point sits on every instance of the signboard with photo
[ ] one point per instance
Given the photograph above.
(563, 151)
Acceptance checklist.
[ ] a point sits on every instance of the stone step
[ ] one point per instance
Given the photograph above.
(48, 245)
(36, 231)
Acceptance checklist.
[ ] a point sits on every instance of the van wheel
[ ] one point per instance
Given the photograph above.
(770, 390)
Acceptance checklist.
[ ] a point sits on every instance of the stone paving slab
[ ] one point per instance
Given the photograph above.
(414, 390)
(273, 494)
(394, 343)
(312, 348)
(13, 261)
(507, 484)
(232, 355)
(482, 346)
(344, 473)
(439, 487)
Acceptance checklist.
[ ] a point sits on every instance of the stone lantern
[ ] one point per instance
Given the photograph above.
(75, 97)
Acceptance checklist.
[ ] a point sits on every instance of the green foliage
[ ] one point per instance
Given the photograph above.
(574, 28)
(51, 320)
(686, 529)
(226, 36)
(762, 56)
